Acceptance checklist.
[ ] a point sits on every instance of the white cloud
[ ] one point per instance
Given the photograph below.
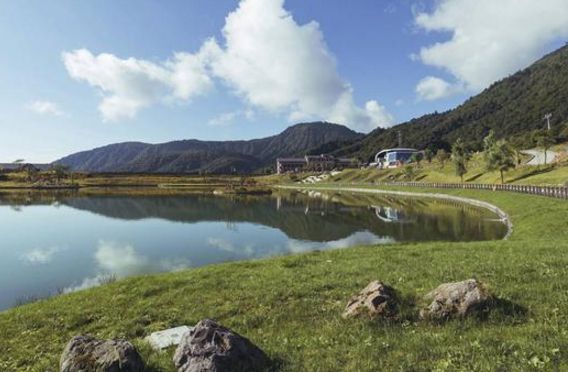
(115, 260)
(227, 246)
(432, 88)
(358, 238)
(45, 108)
(228, 118)
(128, 85)
(269, 60)
(490, 39)
(120, 260)
(40, 256)
(276, 64)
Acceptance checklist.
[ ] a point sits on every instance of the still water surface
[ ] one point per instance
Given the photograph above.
(61, 242)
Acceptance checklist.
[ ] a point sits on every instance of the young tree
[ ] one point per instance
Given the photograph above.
(31, 172)
(442, 156)
(429, 155)
(460, 157)
(408, 172)
(544, 140)
(59, 171)
(416, 158)
(489, 141)
(500, 157)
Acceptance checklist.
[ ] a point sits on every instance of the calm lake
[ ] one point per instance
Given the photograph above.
(66, 241)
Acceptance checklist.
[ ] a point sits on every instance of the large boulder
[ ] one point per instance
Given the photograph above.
(375, 300)
(86, 353)
(212, 347)
(455, 300)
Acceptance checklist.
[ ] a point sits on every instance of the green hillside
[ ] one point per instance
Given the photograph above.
(513, 107)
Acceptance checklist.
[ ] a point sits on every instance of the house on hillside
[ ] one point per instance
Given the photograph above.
(394, 158)
(314, 163)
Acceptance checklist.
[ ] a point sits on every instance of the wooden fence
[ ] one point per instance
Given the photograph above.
(560, 192)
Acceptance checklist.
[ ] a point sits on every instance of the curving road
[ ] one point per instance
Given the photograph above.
(538, 156)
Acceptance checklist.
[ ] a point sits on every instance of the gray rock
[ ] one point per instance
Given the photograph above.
(86, 354)
(455, 300)
(376, 300)
(212, 347)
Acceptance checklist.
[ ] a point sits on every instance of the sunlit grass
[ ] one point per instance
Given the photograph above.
(291, 306)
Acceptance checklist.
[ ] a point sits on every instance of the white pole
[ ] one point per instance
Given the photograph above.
(547, 118)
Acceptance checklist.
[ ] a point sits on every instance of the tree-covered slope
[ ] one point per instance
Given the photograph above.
(513, 107)
(190, 156)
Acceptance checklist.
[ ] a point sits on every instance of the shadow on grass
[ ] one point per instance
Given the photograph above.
(496, 310)
(502, 310)
(276, 364)
(474, 177)
(546, 169)
(151, 368)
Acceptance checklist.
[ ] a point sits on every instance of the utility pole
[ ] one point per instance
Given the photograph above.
(547, 118)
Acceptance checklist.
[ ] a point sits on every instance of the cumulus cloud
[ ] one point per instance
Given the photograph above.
(128, 85)
(120, 260)
(227, 246)
(358, 238)
(267, 59)
(228, 118)
(490, 39)
(116, 260)
(40, 256)
(279, 65)
(45, 108)
(432, 88)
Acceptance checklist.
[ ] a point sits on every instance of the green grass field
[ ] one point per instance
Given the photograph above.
(552, 174)
(291, 306)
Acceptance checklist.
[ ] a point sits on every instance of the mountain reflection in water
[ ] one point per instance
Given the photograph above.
(65, 241)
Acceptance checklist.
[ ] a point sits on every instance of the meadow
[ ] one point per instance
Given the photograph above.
(291, 306)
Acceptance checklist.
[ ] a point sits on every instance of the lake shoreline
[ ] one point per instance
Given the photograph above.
(504, 217)
(305, 294)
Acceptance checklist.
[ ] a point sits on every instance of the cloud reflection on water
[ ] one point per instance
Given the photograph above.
(115, 260)
(40, 256)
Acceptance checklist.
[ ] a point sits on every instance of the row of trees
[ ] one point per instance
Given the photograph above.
(498, 155)
(55, 174)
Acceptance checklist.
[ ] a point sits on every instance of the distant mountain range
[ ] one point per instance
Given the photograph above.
(192, 156)
(513, 107)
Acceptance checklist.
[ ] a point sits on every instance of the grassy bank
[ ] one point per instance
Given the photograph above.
(555, 173)
(291, 306)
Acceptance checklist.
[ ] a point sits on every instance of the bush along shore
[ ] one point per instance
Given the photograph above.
(493, 305)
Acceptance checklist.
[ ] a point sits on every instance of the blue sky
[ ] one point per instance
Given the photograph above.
(80, 74)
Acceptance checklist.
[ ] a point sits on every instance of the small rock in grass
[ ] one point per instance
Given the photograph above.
(212, 347)
(455, 299)
(86, 353)
(376, 299)
(166, 338)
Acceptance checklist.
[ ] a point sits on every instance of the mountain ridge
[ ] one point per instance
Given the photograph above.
(191, 156)
(512, 107)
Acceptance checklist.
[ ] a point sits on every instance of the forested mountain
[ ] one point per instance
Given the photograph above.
(191, 156)
(513, 107)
